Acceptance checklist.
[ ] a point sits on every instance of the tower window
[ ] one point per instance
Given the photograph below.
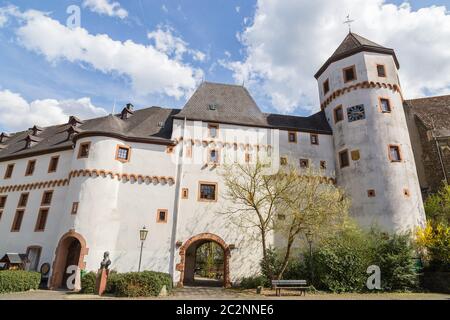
(41, 220)
(381, 70)
(406, 192)
(213, 156)
(326, 87)
(17, 223)
(304, 163)
(248, 157)
(123, 153)
(283, 161)
(338, 114)
(30, 168)
(161, 216)
(385, 105)
(394, 153)
(83, 151)
(323, 165)
(207, 191)
(371, 193)
(53, 165)
(213, 130)
(47, 198)
(344, 161)
(23, 200)
(3, 201)
(74, 208)
(9, 171)
(185, 193)
(292, 136)
(349, 74)
(314, 138)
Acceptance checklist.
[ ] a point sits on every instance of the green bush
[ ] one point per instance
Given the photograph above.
(18, 280)
(254, 282)
(142, 284)
(111, 284)
(272, 265)
(88, 281)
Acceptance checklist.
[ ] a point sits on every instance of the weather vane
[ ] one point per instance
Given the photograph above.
(349, 23)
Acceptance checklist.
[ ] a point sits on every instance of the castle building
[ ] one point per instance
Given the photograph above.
(70, 192)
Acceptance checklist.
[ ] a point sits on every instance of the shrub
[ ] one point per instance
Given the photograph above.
(88, 281)
(434, 246)
(111, 284)
(19, 280)
(142, 284)
(254, 282)
(272, 265)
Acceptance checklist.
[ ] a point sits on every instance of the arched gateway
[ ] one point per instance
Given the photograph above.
(187, 259)
(70, 251)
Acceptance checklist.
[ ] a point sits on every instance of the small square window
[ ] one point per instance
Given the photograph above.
(9, 171)
(338, 114)
(248, 158)
(283, 161)
(213, 156)
(208, 192)
(355, 155)
(292, 136)
(30, 167)
(344, 161)
(213, 130)
(53, 165)
(349, 74)
(304, 163)
(161, 216)
(83, 151)
(314, 138)
(47, 198)
(23, 200)
(371, 193)
(326, 87)
(74, 208)
(385, 105)
(281, 217)
(41, 220)
(3, 201)
(323, 165)
(17, 223)
(381, 70)
(185, 193)
(123, 153)
(394, 153)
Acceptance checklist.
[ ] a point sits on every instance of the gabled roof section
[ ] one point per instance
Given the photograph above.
(433, 112)
(352, 44)
(226, 103)
(316, 123)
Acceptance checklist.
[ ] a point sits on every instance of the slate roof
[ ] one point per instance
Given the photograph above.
(352, 44)
(234, 105)
(433, 112)
(142, 126)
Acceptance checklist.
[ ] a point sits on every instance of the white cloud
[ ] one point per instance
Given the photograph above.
(287, 41)
(150, 69)
(164, 8)
(238, 9)
(166, 42)
(18, 114)
(112, 9)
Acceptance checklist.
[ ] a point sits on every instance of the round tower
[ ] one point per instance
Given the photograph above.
(361, 95)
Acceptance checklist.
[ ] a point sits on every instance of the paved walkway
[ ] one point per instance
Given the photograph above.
(211, 293)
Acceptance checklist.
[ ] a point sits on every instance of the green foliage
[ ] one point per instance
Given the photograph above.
(270, 266)
(141, 284)
(434, 246)
(18, 280)
(88, 281)
(111, 284)
(254, 282)
(437, 206)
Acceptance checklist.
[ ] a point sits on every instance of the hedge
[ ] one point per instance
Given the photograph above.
(138, 284)
(254, 282)
(88, 282)
(19, 280)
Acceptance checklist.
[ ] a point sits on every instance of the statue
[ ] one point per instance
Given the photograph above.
(106, 261)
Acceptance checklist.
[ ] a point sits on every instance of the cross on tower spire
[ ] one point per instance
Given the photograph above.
(349, 23)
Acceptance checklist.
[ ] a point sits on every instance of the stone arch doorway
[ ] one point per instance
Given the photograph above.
(187, 257)
(71, 250)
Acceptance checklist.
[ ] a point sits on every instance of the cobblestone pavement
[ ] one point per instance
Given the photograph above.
(208, 293)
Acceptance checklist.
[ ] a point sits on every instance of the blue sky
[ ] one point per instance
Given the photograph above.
(223, 32)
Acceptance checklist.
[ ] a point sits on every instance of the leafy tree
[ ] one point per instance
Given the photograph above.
(437, 206)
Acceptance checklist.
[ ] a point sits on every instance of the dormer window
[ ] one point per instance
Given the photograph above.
(3, 137)
(212, 106)
(161, 124)
(127, 111)
(74, 121)
(71, 131)
(31, 140)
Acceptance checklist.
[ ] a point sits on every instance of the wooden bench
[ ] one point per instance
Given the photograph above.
(289, 284)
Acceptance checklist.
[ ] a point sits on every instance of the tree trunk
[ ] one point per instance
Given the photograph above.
(287, 255)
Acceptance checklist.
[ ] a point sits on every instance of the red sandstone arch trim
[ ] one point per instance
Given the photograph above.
(210, 237)
(60, 257)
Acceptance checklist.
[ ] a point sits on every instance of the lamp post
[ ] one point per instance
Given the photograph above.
(309, 239)
(142, 235)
